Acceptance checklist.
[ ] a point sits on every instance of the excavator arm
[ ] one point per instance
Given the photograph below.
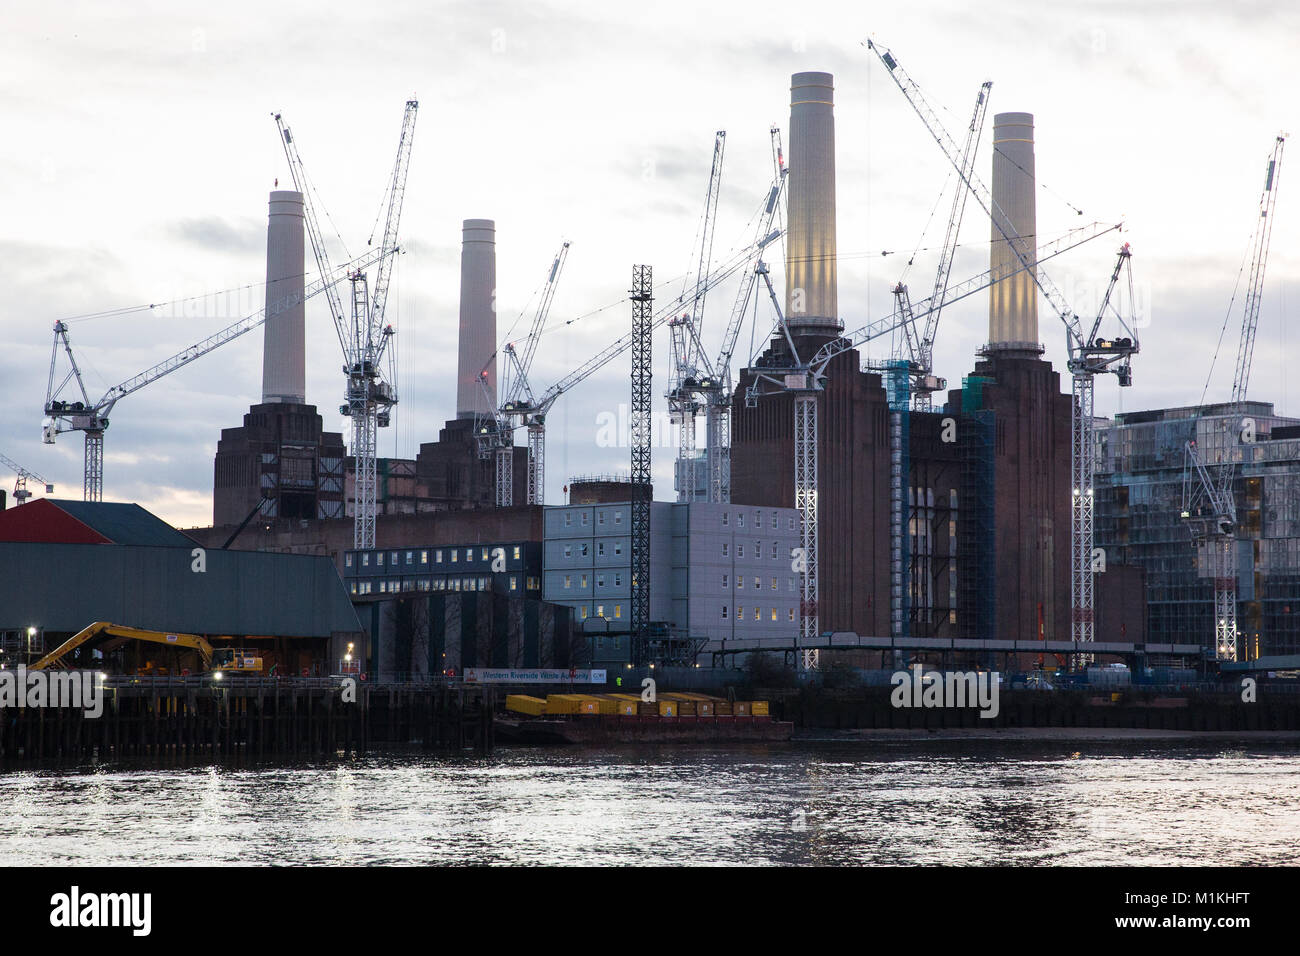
(192, 641)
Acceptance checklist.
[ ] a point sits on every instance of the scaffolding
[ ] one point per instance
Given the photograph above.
(976, 545)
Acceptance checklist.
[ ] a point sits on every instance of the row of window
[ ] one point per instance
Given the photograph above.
(439, 584)
(584, 550)
(757, 552)
(758, 583)
(758, 520)
(758, 613)
(600, 611)
(616, 576)
(452, 556)
(585, 516)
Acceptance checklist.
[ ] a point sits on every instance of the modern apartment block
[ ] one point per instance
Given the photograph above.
(1140, 479)
(717, 571)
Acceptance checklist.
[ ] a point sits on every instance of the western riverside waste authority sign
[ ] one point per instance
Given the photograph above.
(488, 675)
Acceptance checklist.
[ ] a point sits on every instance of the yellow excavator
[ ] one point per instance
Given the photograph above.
(217, 661)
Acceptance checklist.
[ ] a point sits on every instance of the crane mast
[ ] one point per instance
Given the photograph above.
(91, 418)
(717, 390)
(496, 431)
(687, 352)
(21, 494)
(1209, 504)
(363, 335)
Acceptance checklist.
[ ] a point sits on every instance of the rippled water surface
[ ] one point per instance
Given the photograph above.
(851, 803)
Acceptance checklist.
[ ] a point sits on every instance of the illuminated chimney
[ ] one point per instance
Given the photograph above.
(1013, 301)
(810, 290)
(478, 319)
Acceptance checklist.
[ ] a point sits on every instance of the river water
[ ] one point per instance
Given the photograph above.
(801, 803)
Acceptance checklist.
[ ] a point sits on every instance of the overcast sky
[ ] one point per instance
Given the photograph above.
(138, 150)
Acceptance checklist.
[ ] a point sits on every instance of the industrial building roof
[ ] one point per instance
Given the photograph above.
(62, 521)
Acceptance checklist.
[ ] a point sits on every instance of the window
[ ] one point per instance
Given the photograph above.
(618, 579)
(437, 556)
(600, 518)
(740, 550)
(740, 612)
(724, 612)
(776, 549)
(725, 549)
(347, 562)
(584, 612)
(757, 614)
(774, 614)
(484, 555)
(790, 584)
(584, 550)
(568, 550)
(726, 581)
(514, 583)
(469, 554)
(600, 580)
(516, 552)
(790, 522)
(583, 582)
(365, 560)
(410, 557)
(568, 581)
(791, 614)
(618, 610)
(774, 584)
(758, 584)
(724, 524)
(379, 559)
(600, 610)
(394, 557)
(758, 549)
(740, 519)
(568, 519)
(740, 582)
(758, 520)
(424, 557)
(600, 548)
(618, 517)
(354, 587)
(531, 583)
(455, 555)
(584, 519)
(618, 547)
(774, 520)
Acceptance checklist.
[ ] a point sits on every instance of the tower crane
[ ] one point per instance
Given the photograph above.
(1087, 355)
(716, 387)
(530, 412)
(687, 352)
(367, 359)
(21, 494)
(804, 376)
(91, 418)
(1209, 504)
(920, 346)
(497, 434)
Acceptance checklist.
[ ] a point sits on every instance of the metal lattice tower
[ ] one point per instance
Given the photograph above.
(805, 500)
(642, 295)
(1082, 488)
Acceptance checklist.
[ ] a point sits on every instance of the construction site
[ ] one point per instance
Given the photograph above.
(830, 510)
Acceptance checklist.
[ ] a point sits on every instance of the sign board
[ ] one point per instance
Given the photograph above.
(532, 675)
